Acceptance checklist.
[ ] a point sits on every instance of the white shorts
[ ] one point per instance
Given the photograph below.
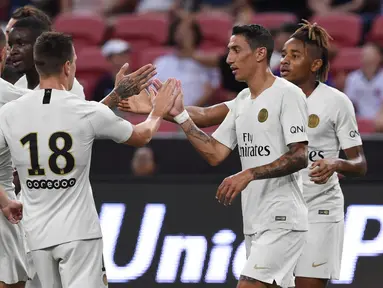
(76, 264)
(273, 254)
(33, 281)
(12, 253)
(322, 254)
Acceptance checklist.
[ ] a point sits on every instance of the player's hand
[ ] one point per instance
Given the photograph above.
(141, 103)
(178, 106)
(232, 186)
(13, 211)
(163, 100)
(133, 83)
(322, 170)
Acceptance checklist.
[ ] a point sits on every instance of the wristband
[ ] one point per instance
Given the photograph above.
(182, 117)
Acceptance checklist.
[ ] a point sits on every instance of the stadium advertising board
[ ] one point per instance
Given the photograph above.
(177, 235)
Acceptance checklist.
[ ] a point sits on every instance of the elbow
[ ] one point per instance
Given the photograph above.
(214, 162)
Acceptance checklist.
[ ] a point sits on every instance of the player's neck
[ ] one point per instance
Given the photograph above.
(32, 78)
(53, 82)
(308, 87)
(261, 80)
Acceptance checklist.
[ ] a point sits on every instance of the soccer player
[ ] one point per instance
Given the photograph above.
(268, 123)
(50, 133)
(13, 271)
(21, 39)
(331, 126)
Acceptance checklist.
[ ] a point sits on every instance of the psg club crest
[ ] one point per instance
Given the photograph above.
(313, 121)
(262, 115)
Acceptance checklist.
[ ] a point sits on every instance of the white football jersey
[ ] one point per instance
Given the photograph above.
(77, 88)
(50, 134)
(8, 92)
(332, 126)
(262, 128)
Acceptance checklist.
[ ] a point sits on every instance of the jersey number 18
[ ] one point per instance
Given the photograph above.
(36, 169)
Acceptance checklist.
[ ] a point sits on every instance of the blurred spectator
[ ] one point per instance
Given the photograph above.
(117, 52)
(365, 86)
(198, 82)
(88, 6)
(143, 163)
(280, 38)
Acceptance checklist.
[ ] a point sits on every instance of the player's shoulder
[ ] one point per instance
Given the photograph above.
(337, 97)
(245, 93)
(288, 89)
(78, 89)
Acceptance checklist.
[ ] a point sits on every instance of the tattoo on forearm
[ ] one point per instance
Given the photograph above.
(112, 100)
(291, 162)
(191, 130)
(127, 87)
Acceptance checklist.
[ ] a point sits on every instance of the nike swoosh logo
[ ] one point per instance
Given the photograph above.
(317, 265)
(259, 267)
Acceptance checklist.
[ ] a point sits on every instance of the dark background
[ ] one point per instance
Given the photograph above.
(191, 209)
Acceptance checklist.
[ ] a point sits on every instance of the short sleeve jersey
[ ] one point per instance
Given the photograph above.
(331, 126)
(263, 128)
(50, 134)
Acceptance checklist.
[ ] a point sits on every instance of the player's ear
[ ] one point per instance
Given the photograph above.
(261, 53)
(67, 67)
(316, 65)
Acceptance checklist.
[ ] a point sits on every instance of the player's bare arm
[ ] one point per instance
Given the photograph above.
(162, 103)
(292, 161)
(129, 85)
(354, 166)
(201, 116)
(209, 148)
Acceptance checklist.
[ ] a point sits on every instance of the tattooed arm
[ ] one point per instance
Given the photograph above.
(210, 149)
(292, 161)
(129, 85)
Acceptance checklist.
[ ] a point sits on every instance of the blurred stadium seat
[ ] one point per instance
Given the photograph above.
(86, 30)
(376, 32)
(143, 30)
(91, 65)
(347, 59)
(216, 29)
(345, 29)
(273, 20)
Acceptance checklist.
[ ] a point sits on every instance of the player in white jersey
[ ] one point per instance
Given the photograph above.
(21, 38)
(51, 149)
(331, 126)
(13, 271)
(268, 123)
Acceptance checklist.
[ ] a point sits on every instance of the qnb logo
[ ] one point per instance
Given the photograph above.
(51, 184)
(354, 133)
(296, 129)
(203, 264)
(316, 155)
